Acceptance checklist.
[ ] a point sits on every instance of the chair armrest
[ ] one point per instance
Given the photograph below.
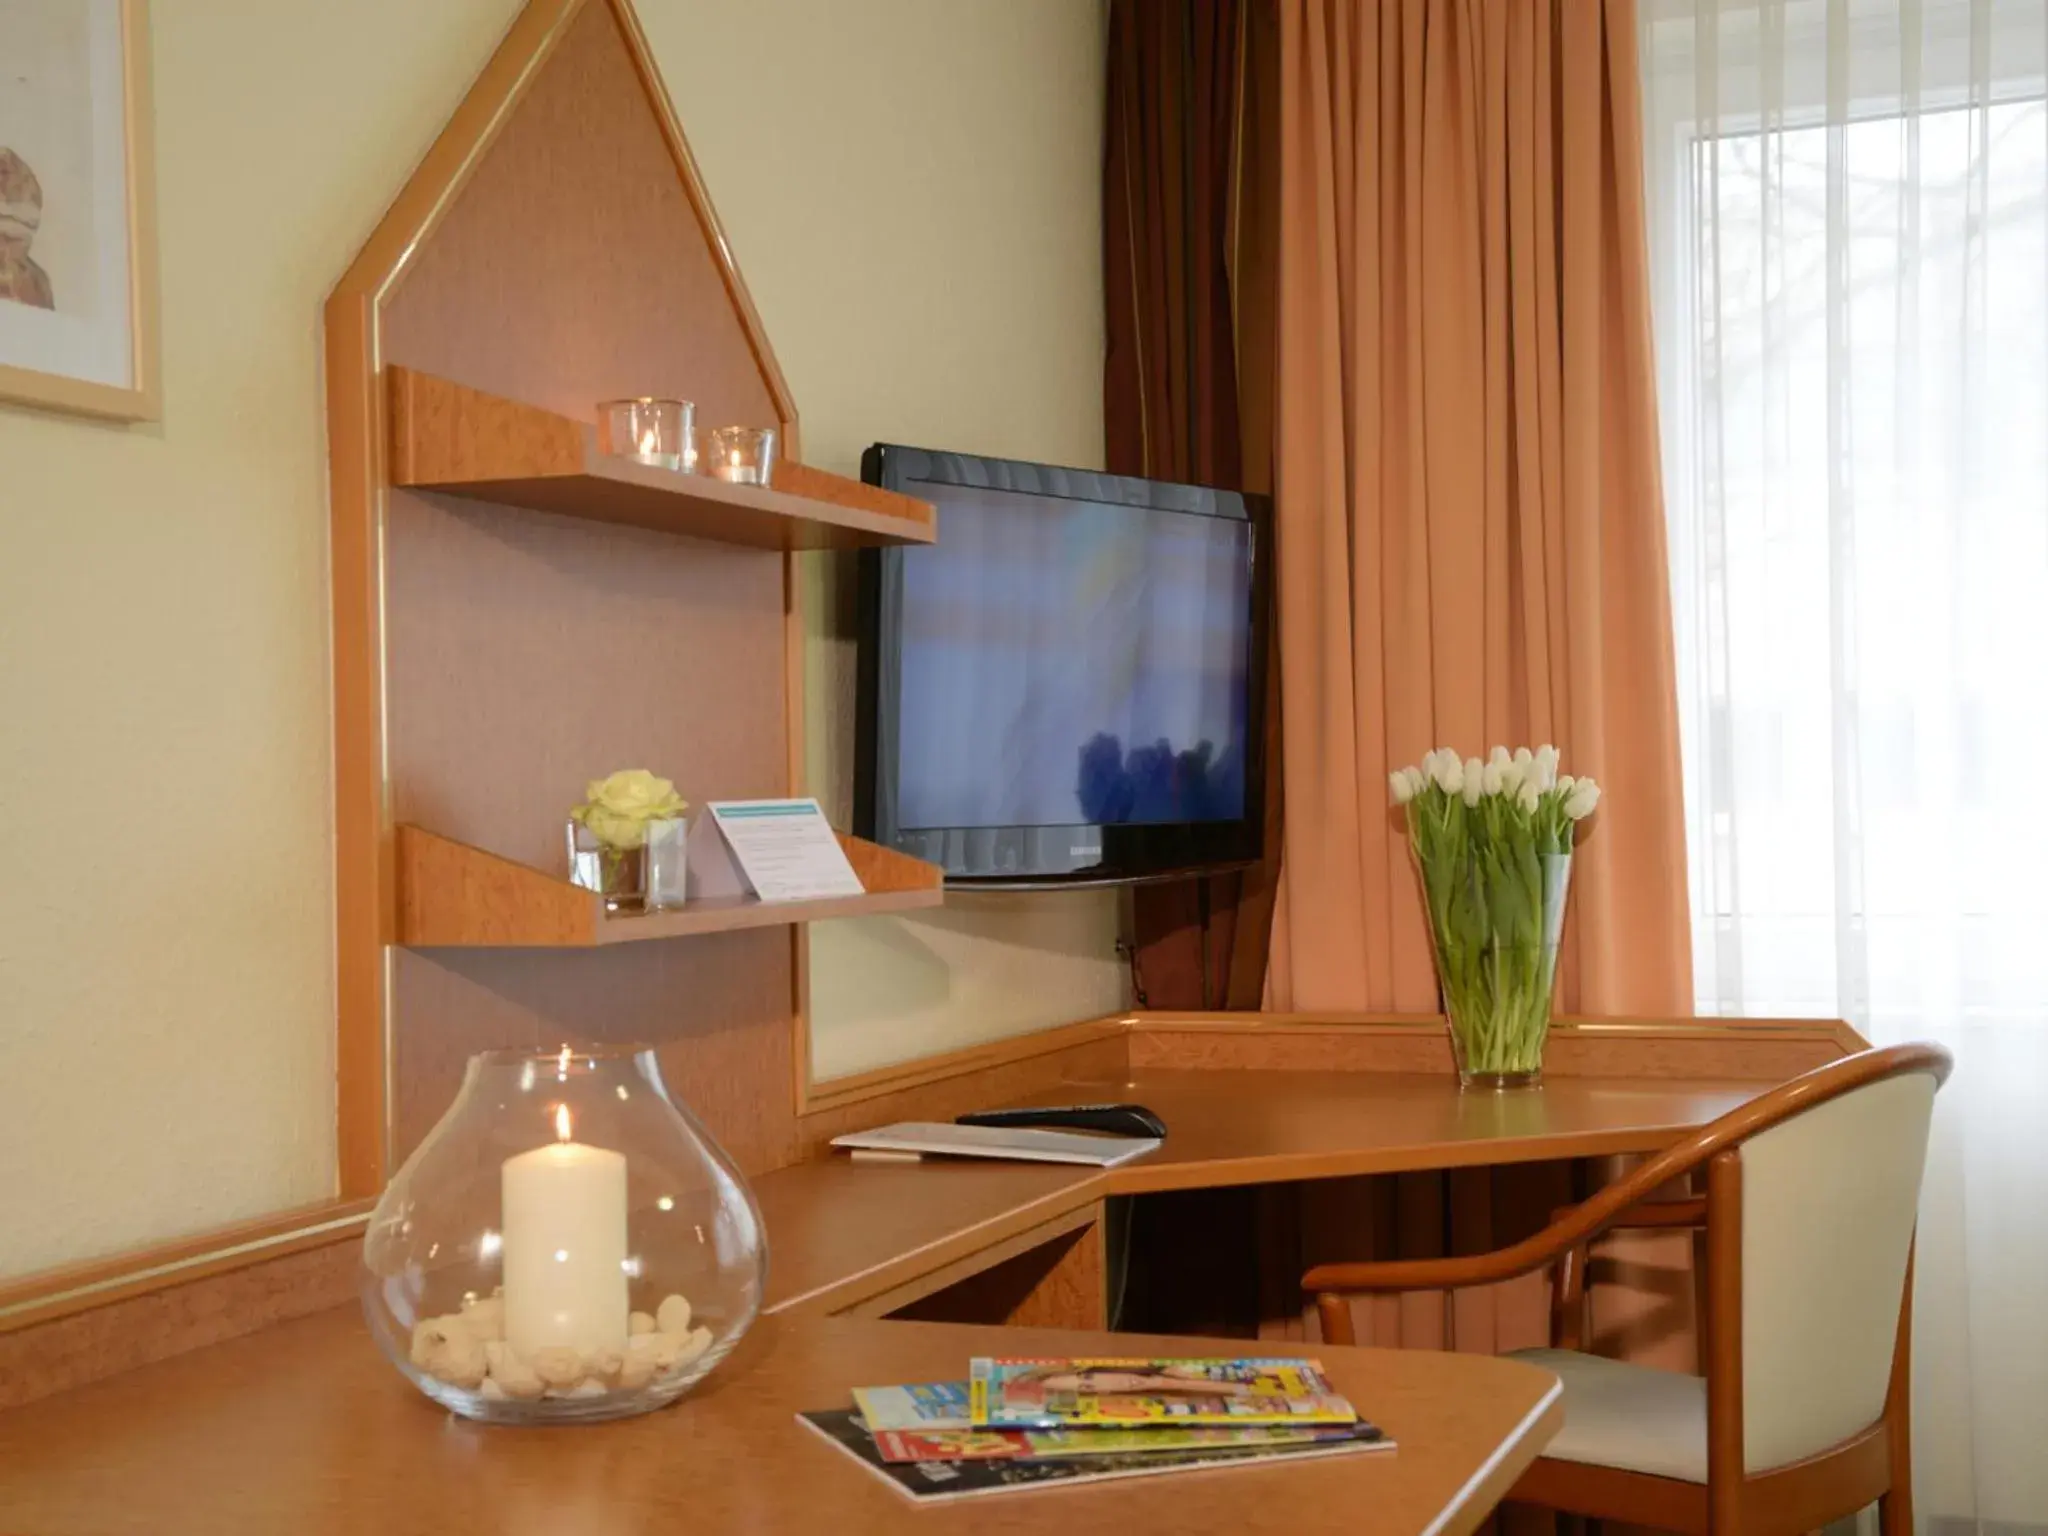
(1568, 1228)
(1616, 1205)
(1378, 1276)
(1691, 1212)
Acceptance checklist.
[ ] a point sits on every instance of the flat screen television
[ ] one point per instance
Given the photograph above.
(1066, 688)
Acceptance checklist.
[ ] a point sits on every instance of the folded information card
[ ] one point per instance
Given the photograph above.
(780, 850)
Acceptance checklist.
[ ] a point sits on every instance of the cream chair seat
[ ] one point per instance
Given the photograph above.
(1631, 1416)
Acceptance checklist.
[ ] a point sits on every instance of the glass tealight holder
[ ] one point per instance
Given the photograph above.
(741, 455)
(568, 1244)
(649, 431)
(666, 867)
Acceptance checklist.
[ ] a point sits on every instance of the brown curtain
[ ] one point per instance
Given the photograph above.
(1471, 544)
(1189, 181)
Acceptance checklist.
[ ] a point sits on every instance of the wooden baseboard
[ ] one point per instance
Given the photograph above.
(210, 1305)
(1760, 1050)
(55, 1293)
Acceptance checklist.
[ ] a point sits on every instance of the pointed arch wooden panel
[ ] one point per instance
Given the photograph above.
(555, 248)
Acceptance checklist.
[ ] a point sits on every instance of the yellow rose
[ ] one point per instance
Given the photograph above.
(617, 809)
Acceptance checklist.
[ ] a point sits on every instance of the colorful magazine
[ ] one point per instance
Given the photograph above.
(1055, 1444)
(931, 1405)
(933, 1482)
(1125, 1393)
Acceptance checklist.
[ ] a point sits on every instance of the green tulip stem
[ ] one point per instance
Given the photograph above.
(1495, 877)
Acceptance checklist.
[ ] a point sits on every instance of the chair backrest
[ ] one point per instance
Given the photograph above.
(1828, 1203)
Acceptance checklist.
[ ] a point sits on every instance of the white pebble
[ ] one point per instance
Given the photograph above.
(640, 1322)
(636, 1370)
(557, 1366)
(673, 1316)
(429, 1337)
(513, 1376)
(459, 1361)
(661, 1348)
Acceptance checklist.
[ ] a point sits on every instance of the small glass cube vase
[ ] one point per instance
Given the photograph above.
(742, 455)
(619, 875)
(568, 1244)
(667, 863)
(649, 431)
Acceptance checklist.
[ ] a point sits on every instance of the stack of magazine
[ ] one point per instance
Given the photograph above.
(1026, 1423)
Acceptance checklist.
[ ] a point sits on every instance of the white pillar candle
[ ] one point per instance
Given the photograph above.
(564, 1209)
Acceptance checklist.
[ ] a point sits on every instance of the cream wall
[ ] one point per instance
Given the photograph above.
(912, 190)
(166, 974)
(910, 186)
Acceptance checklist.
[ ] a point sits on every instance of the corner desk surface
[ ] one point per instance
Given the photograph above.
(840, 1232)
(304, 1428)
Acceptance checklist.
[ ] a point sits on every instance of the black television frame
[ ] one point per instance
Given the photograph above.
(1122, 853)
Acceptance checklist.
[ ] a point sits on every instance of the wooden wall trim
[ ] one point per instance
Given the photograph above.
(1704, 1049)
(1433, 1023)
(62, 1352)
(55, 1293)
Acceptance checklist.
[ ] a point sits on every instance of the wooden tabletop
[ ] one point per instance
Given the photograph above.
(304, 1428)
(839, 1231)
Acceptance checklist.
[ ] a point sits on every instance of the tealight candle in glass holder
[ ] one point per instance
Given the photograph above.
(741, 455)
(649, 431)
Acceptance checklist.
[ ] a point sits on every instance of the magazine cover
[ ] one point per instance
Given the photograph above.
(1049, 1444)
(1089, 1393)
(932, 1405)
(934, 1482)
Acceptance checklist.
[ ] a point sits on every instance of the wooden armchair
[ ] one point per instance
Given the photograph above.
(1803, 1415)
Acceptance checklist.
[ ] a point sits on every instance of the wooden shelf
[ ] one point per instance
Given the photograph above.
(462, 442)
(453, 895)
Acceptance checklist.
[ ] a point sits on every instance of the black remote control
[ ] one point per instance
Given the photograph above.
(1115, 1119)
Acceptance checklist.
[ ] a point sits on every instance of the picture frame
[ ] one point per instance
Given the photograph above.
(78, 276)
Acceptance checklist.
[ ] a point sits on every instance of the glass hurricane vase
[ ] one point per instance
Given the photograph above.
(567, 1244)
(1495, 931)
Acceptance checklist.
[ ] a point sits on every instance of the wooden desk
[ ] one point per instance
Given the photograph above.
(862, 1236)
(304, 1428)
(1297, 1102)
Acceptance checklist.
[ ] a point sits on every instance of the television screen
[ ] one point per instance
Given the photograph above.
(1062, 687)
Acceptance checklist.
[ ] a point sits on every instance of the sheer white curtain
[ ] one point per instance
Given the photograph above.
(1849, 239)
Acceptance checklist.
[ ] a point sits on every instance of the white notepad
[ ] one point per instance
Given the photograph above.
(1022, 1144)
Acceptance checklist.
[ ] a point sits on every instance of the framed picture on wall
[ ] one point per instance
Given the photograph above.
(77, 225)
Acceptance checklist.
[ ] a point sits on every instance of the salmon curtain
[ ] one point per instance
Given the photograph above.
(1470, 521)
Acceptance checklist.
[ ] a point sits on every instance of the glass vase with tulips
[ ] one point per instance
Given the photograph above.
(1493, 842)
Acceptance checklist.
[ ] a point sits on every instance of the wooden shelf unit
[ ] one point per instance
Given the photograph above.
(458, 441)
(451, 895)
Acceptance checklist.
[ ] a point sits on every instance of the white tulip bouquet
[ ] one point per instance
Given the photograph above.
(1494, 842)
